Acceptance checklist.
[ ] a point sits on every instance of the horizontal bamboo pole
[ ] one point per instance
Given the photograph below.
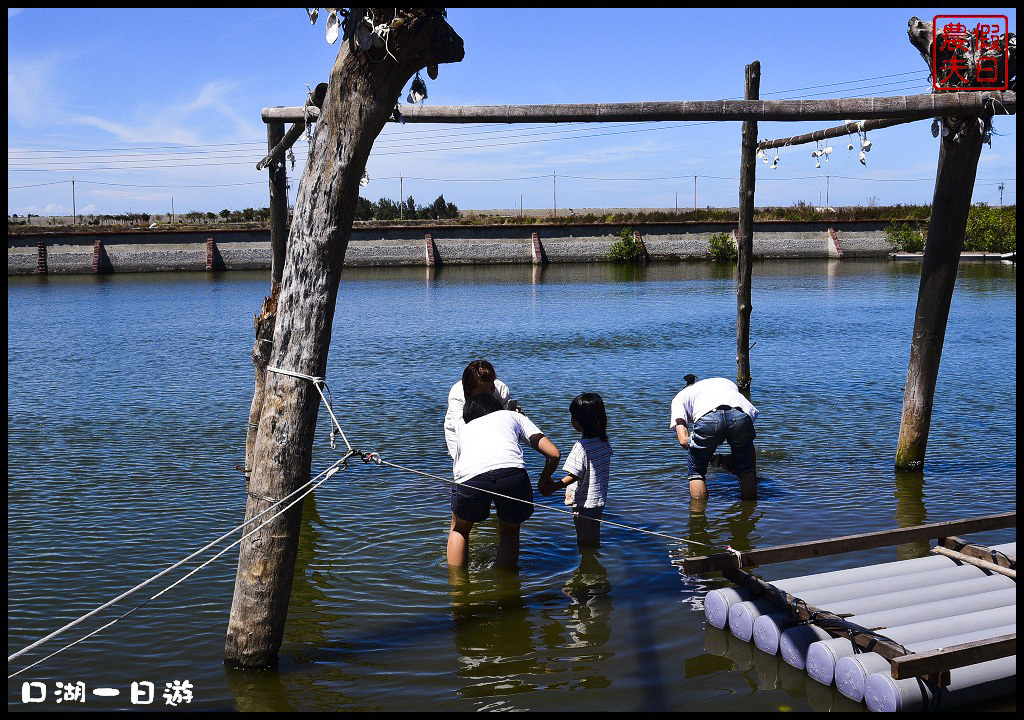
(846, 129)
(906, 107)
(979, 551)
(833, 546)
(954, 656)
(977, 562)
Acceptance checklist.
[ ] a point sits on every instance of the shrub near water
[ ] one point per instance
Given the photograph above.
(991, 229)
(626, 249)
(904, 238)
(721, 248)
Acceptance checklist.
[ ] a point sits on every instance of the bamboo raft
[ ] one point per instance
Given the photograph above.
(930, 633)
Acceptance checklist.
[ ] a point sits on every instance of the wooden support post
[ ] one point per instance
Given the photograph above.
(278, 204)
(959, 150)
(41, 267)
(745, 240)
(954, 184)
(360, 99)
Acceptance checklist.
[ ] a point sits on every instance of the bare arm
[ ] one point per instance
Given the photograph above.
(551, 454)
(682, 434)
(548, 486)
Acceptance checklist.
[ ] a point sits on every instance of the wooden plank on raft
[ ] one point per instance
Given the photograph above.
(954, 656)
(979, 551)
(838, 109)
(834, 546)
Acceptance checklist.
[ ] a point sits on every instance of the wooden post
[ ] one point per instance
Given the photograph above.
(959, 151)
(278, 203)
(360, 100)
(745, 241)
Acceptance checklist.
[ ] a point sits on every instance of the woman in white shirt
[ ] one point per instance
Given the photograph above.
(489, 466)
(479, 376)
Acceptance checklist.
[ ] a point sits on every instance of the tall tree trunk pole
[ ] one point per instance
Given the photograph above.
(363, 88)
(745, 240)
(278, 203)
(951, 203)
(959, 152)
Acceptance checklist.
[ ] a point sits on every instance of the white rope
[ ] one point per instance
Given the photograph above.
(317, 382)
(376, 458)
(329, 473)
(143, 584)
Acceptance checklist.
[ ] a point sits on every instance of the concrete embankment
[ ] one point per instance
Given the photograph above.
(156, 250)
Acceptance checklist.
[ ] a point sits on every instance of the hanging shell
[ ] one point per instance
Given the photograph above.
(333, 26)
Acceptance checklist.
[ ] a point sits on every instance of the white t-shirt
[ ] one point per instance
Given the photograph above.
(589, 462)
(491, 442)
(456, 402)
(694, 401)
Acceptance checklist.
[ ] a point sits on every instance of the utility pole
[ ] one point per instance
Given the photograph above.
(74, 212)
(828, 181)
(1001, 186)
(401, 197)
(554, 195)
(694, 192)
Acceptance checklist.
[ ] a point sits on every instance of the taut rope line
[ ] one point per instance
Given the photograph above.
(309, 487)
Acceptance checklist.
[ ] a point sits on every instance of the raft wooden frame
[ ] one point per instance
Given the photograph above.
(932, 665)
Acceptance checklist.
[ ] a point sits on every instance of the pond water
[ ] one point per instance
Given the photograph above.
(128, 397)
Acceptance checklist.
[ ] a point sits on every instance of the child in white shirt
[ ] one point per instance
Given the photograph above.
(587, 469)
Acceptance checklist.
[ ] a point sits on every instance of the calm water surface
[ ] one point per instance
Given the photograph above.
(128, 397)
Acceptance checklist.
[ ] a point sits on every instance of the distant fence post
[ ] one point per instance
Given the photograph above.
(41, 267)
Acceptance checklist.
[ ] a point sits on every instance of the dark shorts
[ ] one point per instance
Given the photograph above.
(594, 513)
(471, 505)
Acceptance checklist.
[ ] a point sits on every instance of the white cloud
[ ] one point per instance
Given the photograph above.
(190, 122)
(30, 89)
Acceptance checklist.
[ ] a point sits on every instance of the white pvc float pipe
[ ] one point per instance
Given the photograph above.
(970, 684)
(853, 671)
(743, 614)
(823, 656)
(718, 602)
(886, 611)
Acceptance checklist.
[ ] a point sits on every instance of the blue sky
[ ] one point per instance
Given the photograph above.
(153, 106)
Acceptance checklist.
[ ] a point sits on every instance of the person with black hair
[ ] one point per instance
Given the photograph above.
(478, 376)
(586, 468)
(489, 466)
(705, 414)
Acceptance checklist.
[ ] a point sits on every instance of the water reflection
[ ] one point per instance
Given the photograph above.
(591, 607)
(910, 510)
(493, 634)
